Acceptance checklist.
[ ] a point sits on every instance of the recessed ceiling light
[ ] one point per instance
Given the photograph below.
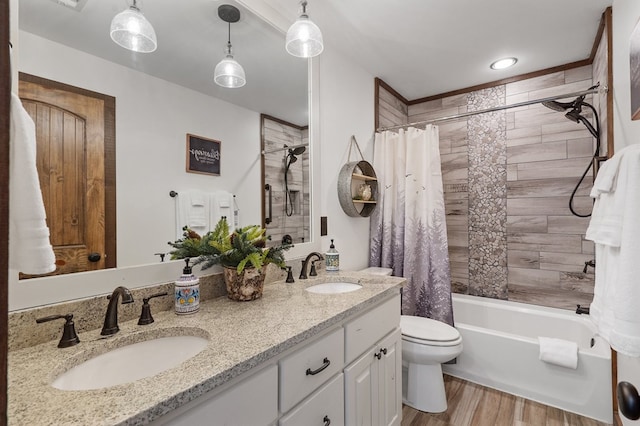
(501, 64)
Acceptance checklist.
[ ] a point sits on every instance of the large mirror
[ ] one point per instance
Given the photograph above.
(161, 97)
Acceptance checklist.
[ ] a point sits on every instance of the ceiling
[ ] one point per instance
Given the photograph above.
(427, 47)
(419, 47)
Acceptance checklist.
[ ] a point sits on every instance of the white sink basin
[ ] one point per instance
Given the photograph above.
(333, 288)
(130, 363)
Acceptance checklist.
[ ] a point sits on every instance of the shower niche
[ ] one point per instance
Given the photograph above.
(285, 180)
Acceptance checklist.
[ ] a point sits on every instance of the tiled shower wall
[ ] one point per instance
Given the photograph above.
(507, 180)
(277, 134)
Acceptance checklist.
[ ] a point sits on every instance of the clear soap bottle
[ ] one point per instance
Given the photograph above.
(332, 258)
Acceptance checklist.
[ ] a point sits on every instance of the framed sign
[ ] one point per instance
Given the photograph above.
(203, 155)
(634, 50)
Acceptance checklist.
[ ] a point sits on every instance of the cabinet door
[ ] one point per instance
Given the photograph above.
(390, 373)
(361, 390)
(252, 402)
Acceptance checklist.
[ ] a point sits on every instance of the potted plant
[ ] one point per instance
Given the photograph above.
(242, 253)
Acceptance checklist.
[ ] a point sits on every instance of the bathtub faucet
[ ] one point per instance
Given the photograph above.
(591, 263)
(581, 310)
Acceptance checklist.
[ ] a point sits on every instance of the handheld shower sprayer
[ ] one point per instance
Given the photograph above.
(290, 158)
(575, 114)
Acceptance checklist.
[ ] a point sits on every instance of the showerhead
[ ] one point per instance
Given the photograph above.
(292, 158)
(574, 115)
(559, 106)
(297, 151)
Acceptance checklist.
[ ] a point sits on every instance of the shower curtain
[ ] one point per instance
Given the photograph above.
(408, 229)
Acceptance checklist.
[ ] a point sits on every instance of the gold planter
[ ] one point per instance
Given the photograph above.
(244, 286)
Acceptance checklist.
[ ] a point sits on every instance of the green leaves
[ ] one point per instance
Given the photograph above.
(243, 248)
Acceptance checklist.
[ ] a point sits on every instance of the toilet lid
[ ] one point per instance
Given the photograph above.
(427, 329)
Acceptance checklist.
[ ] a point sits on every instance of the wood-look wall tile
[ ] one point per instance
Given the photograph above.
(537, 117)
(576, 134)
(531, 84)
(456, 175)
(577, 281)
(555, 298)
(457, 223)
(529, 153)
(580, 147)
(524, 132)
(537, 188)
(431, 115)
(565, 262)
(527, 224)
(392, 101)
(523, 259)
(547, 205)
(512, 172)
(455, 101)
(588, 247)
(458, 238)
(426, 107)
(533, 278)
(524, 141)
(575, 86)
(579, 74)
(572, 167)
(568, 224)
(544, 242)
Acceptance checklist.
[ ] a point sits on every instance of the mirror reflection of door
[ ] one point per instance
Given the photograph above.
(285, 175)
(75, 144)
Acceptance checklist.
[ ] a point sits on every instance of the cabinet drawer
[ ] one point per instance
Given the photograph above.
(367, 329)
(324, 357)
(324, 406)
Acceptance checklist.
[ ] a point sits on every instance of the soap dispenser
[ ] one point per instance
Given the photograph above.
(332, 258)
(187, 292)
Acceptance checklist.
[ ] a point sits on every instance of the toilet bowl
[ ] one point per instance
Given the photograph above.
(426, 344)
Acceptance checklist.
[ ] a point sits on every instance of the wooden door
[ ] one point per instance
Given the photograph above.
(70, 134)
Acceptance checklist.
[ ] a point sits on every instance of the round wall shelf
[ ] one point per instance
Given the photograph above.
(351, 176)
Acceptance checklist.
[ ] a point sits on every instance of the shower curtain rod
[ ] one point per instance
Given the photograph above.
(284, 148)
(602, 89)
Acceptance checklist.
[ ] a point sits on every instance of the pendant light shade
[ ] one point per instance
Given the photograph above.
(304, 38)
(229, 73)
(131, 30)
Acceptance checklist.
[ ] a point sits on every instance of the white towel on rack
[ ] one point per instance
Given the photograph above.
(30, 249)
(615, 229)
(192, 210)
(221, 205)
(558, 352)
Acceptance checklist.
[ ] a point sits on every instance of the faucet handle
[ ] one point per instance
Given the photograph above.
(69, 335)
(313, 272)
(289, 275)
(303, 271)
(145, 315)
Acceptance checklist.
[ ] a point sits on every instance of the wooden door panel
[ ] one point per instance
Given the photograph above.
(70, 160)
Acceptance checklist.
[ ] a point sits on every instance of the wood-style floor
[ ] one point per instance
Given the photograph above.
(474, 405)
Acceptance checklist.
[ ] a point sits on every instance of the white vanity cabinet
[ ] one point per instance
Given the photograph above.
(309, 384)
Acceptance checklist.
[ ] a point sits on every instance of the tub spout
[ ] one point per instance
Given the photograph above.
(582, 310)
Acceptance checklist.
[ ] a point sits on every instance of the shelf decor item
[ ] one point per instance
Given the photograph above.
(357, 185)
(242, 254)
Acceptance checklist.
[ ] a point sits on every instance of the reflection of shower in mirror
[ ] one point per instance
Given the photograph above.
(286, 171)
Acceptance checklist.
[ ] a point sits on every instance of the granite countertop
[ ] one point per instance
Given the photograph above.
(241, 336)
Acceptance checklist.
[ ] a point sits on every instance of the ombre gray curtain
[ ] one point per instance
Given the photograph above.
(408, 229)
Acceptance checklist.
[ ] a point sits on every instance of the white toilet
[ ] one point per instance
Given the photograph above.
(426, 344)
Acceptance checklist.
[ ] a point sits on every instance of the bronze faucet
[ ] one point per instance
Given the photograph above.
(111, 318)
(305, 264)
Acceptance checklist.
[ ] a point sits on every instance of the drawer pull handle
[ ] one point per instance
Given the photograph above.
(384, 351)
(326, 420)
(378, 355)
(325, 364)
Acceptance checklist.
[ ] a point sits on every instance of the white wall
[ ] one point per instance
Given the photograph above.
(153, 117)
(346, 108)
(626, 14)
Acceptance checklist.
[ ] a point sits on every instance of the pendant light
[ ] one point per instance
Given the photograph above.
(304, 38)
(229, 73)
(131, 30)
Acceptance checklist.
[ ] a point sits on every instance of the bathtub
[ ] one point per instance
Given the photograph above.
(501, 352)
